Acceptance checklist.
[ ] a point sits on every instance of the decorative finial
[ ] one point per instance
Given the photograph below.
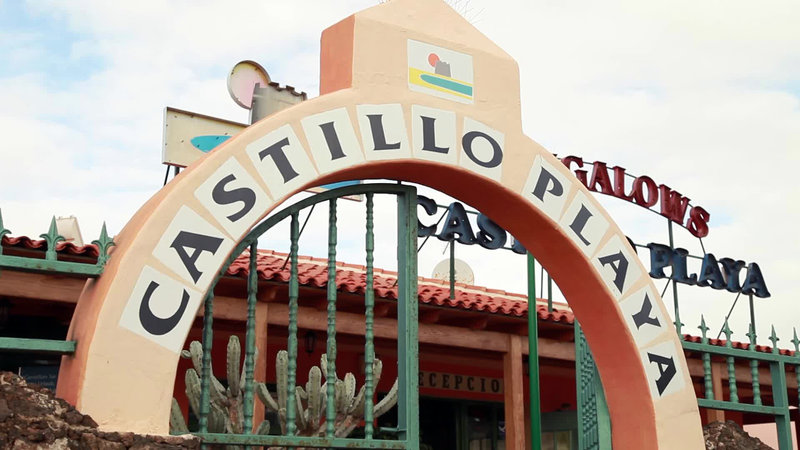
(3, 231)
(52, 238)
(774, 338)
(752, 335)
(727, 330)
(104, 243)
(703, 328)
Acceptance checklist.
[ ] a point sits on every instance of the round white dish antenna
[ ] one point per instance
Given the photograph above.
(464, 273)
(243, 78)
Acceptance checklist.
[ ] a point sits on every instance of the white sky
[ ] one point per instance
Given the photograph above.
(699, 95)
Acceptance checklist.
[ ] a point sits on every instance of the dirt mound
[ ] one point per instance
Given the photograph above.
(730, 436)
(32, 418)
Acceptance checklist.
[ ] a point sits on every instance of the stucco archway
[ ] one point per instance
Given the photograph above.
(373, 121)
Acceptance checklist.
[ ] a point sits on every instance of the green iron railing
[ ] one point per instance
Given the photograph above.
(778, 364)
(26, 345)
(50, 263)
(407, 430)
(593, 412)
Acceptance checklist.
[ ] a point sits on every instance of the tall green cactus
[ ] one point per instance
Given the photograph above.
(226, 409)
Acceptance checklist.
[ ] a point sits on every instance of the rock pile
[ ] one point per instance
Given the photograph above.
(730, 436)
(32, 418)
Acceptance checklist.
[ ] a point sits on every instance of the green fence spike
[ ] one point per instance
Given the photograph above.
(774, 338)
(3, 231)
(727, 331)
(752, 335)
(52, 238)
(103, 244)
(796, 342)
(703, 328)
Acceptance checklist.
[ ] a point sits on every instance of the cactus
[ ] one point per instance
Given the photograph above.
(311, 400)
(226, 405)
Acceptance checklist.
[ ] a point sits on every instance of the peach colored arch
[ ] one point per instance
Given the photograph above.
(125, 381)
(124, 378)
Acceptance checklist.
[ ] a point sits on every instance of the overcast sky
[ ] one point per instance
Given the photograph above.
(699, 95)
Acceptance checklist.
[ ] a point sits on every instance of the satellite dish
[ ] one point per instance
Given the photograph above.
(464, 273)
(243, 78)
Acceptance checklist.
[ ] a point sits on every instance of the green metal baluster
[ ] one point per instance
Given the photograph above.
(208, 340)
(754, 367)
(250, 338)
(709, 385)
(330, 377)
(731, 364)
(52, 238)
(294, 235)
(369, 303)
(796, 343)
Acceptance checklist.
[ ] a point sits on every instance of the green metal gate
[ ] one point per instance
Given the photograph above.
(407, 430)
(594, 422)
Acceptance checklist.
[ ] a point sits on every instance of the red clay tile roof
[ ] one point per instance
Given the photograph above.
(61, 247)
(352, 278)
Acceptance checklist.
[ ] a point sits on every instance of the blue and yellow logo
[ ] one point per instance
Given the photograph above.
(440, 72)
(439, 79)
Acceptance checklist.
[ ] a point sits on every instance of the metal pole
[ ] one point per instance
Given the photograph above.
(728, 316)
(428, 236)
(549, 293)
(752, 313)
(533, 358)
(678, 323)
(300, 233)
(452, 269)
